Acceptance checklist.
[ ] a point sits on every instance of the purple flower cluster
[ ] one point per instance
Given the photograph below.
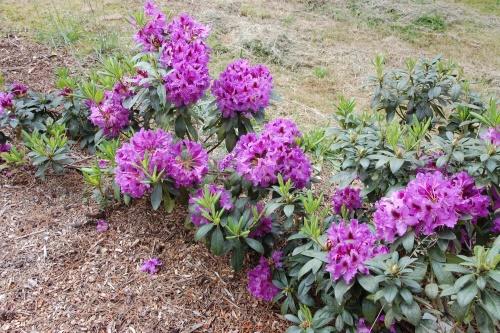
(151, 266)
(259, 159)
(260, 281)
(350, 246)
(492, 135)
(150, 152)
(6, 101)
(109, 114)
(265, 223)
(183, 51)
(196, 211)
(429, 202)
(18, 89)
(243, 88)
(347, 197)
(496, 225)
(152, 35)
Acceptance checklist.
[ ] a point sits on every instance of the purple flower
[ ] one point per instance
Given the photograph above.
(65, 92)
(18, 89)
(102, 225)
(151, 266)
(186, 55)
(103, 164)
(473, 202)
(362, 327)
(110, 115)
(264, 225)
(347, 197)
(492, 135)
(260, 284)
(259, 159)
(277, 257)
(243, 89)
(6, 100)
(152, 35)
(189, 163)
(284, 130)
(5, 147)
(351, 245)
(496, 225)
(149, 145)
(429, 202)
(196, 211)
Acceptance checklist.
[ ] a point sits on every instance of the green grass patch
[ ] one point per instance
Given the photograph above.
(320, 72)
(491, 7)
(434, 22)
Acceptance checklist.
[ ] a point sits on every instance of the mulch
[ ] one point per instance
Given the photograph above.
(58, 274)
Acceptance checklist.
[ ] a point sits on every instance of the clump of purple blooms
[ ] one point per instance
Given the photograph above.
(259, 159)
(496, 225)
(153, 153)
(151, 266)
(264, 224)
(109, 114)
(350, 244)
(6, 101)
(183, 51)
(5, 147)
(243, 89)
(429, 202)
(348, 197)
(196, 210)
(492, 135)
(260, 281)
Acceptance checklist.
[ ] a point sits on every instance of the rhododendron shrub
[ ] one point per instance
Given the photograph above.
(152, 162)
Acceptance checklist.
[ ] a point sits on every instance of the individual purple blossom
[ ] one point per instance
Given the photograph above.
(186, 83)
(243, 89)
(474, 202)
(109, 114)
(189, 163)
(5, 147)
(102, 225)
(347, 197)
(277, 258)
(153, 145)
(184, 28)
(66, 91)
(260, 284)
(196, 210)
(283, 129)
(361, 327)
(264, 224)
(350, 244)
(151, 266)
(18, 89)
(492, 135)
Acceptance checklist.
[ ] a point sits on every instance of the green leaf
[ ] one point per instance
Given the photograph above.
(254, 244)
(312, 265)
(180, 127)
(483, 320)
(217, 242)
(230, 140)
(156, 196)
(203, 231)
(370, 283)
(412, 312)
(390, 293)
(431, 290)
(466, 295)
(288, 209)
(408, 241)
(340, 289)
(237, 257)
(395, 164)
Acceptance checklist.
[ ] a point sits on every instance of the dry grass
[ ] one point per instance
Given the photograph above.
(296, 37)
